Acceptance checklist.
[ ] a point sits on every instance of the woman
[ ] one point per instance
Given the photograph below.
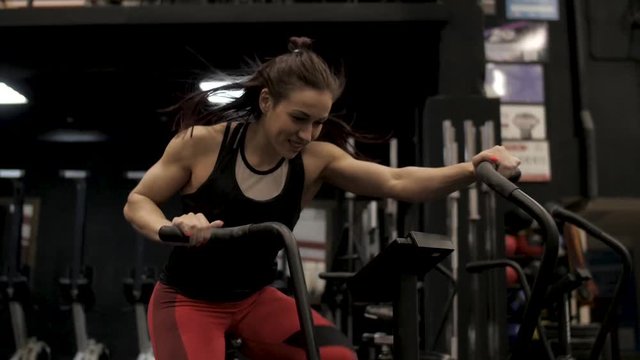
(260, 158)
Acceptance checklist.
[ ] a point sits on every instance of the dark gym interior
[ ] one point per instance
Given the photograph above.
(111, 67)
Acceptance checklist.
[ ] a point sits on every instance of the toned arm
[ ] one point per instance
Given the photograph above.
(411, 183)
(169, 175)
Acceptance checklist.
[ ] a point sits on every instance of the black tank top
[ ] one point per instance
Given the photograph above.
(231, 270)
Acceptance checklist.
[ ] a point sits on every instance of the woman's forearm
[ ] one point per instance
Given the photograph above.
(417, 184)
(144, 215)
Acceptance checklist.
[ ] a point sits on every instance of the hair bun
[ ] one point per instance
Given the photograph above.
(299, 43)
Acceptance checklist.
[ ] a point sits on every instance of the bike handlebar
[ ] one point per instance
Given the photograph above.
(487, 173)
(172, 234)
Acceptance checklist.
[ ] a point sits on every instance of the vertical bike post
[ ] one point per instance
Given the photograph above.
(451, 157)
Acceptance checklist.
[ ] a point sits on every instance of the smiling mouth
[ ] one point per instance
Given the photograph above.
(296, 145)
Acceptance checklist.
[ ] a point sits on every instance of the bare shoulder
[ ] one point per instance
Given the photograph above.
(196, 141)
(324, 150)
(200, 134)
(319, 154)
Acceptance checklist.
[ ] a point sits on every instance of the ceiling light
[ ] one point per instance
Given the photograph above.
(220, 97)
(9, 96)
(74, 136)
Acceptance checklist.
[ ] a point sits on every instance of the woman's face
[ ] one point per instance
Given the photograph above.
(296, 120)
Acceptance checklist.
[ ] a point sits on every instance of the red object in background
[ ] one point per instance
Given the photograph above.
(510, 244)
(524, 248)
(512, 276)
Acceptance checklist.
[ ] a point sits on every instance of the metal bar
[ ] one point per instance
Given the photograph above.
(564, 328)
(405, 308)
(487, 141)
(299, 285)
(80, 327)
(227, 13)
(450, 153)
(474, 332)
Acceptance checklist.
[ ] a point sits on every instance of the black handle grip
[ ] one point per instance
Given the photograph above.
(516, 176)
(172, 234)
(487, 173)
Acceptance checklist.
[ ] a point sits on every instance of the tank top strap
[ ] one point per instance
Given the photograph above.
(227, 147)
(227, 131)
(238, 134)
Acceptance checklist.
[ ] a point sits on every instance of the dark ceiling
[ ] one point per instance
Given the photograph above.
(115, 78)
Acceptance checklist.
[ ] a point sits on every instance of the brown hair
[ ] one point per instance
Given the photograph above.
(300, 67)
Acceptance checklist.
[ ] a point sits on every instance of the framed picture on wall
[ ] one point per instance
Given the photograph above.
(523, 122)
(515, 83)
(520, 41)
(536, 162)
(532, 9)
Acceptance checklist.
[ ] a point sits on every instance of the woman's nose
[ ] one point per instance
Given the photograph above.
(306, 132)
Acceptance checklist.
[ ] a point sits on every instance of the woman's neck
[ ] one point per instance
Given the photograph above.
(258, 150)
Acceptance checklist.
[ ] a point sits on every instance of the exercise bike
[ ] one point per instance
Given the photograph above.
(563, 215)
(172, 235)
(392, 275)
(558, 291)
(76, 287)
(14, 284)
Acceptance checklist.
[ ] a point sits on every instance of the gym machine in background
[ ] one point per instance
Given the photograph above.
(14, 275)
(476, 337)
(567, 339)
(622, 285)
(370, 224)
(379, 339)
(545, 275)
(488, 199)
(139, 287)
(454, 129)
(77, 287)
(393, 276)
(450, 157)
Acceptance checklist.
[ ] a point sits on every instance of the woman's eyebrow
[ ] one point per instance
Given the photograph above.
(300, 112)
(303, 113)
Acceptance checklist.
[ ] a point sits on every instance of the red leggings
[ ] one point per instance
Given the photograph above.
(185, 329)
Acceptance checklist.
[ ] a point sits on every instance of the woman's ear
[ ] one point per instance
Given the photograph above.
(265, 100)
